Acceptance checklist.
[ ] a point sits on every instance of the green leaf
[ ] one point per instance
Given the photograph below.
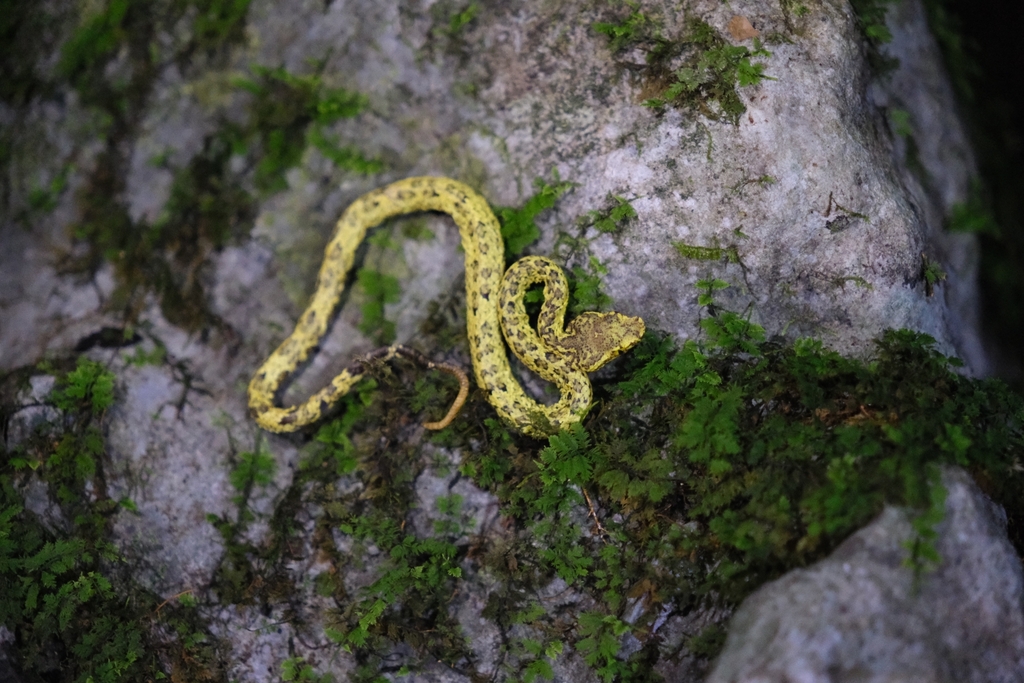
(538, 668)
(567, 459)
(518, 226)
(253, 469)
(380, 289)
(88, 386)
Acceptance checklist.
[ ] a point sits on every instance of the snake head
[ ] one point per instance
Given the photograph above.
(593, 339)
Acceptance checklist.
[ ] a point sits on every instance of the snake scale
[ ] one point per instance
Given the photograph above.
(494, 305)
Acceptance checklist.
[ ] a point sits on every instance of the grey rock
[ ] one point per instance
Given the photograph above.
(860, 616)
(548, 95)
(7, 672)
(34, 413)
(936, 142)
(525, 89)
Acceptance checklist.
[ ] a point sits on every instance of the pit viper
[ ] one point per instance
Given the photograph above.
(494, 305)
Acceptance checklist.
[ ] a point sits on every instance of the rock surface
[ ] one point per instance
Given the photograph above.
(861, 616)
(807, 186)
(810, 187)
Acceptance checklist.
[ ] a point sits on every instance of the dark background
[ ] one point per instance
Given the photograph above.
(989, 76)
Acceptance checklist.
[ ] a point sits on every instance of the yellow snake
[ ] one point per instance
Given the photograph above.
(493, 301)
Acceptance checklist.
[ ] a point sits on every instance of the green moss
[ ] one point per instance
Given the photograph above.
(634, 28)
(296, 669)
(871, 17)
(994, 208)
(217, 21)
(901, 124)
(289, 113)
(43, 199)
(611, 220)
(65, 592)
(24, 31)
(974, 215)
(205, 209)
(762, 181)
(690, 251)
(703, 471)
(107, 28)
(344, 156)
(959, 55)
(900, 119)
(416, 229)
(710, 72)
(95, 41)
(586, 288)
(849, 213)
(709, 642)
(932, 274)
(518, 229)
(599, 645)
(871, 14)
(208, 204)
(458, 20)
(795, 8)
(855, 279)
(254, 468)
(380, 289)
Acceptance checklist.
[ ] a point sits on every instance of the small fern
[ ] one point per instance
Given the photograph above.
(518, 228)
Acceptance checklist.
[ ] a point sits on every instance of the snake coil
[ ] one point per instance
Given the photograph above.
(494, 303)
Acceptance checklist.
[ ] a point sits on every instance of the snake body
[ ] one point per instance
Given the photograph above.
(493, 303)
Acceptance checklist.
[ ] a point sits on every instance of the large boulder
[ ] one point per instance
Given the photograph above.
(792, 184)
(863, 614)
